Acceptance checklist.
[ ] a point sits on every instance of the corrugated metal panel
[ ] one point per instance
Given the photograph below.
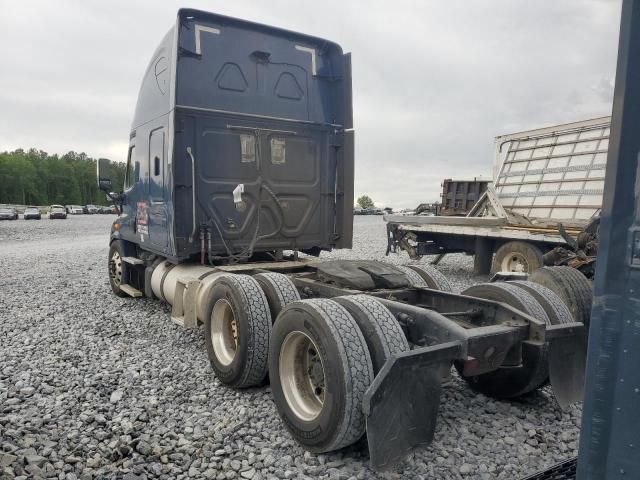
(555, 172)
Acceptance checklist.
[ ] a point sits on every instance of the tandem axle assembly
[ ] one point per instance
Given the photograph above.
(361, 346)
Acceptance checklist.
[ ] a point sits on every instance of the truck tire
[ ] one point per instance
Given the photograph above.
(380, 329)
(414, 279)
(279, 290)
(115, 269)
(511, 381)
(434, 277)
(237, 331)
(553, 305)
(317, 347)
(517, 257)
(571, 286)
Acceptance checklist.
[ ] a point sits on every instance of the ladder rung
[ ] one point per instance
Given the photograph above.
(132, 261)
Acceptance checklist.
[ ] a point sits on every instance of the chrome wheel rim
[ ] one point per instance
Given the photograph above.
(115, 268)
(515, 262)
(302, 376)
(224, 332)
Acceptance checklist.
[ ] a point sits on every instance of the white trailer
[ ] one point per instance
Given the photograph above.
(548, 186)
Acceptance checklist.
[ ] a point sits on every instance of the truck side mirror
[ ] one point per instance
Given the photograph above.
(104, 174)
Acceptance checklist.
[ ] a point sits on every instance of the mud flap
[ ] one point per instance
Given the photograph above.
(567, 361)
(401, 404)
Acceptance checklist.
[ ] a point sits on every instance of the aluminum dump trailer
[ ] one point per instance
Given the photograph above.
(240, 159)
(548, 186)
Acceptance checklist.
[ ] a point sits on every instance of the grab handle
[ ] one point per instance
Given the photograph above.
(193, 192)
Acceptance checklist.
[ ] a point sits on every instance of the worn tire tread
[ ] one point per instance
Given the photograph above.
(556, 309)
(354, 356)
(433, 277)
(414, 279)
(378, 325)
(256, 306)
(571, 285)
(284, 289)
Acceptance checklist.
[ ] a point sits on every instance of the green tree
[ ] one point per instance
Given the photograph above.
(37, 178)
(365, 202)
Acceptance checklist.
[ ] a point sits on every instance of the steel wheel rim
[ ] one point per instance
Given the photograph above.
(302, 376)
(515, 262)
(116, 268)
(224, 332)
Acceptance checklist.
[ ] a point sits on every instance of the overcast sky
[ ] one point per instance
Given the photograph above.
(433, 81)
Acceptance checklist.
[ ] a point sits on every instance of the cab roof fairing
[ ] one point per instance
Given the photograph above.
(160, 88)
(155, 97)
(229, 65)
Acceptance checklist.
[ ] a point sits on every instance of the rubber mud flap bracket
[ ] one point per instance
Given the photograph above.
(401, 404)
(567, 361)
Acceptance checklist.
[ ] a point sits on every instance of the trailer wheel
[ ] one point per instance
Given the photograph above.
(571, 286)
(553, 305)
(237, 331)
(381, 330)
(115, 269)
(434, 277)
(279, 289)
(319, 368)
(517, 257)
(509, 381)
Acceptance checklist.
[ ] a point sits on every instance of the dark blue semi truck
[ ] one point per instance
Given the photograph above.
(228, 106)
(240, 160)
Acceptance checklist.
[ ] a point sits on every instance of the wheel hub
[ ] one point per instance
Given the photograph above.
(515, 262)
(224, 332)
(115, 268)
(302, 375)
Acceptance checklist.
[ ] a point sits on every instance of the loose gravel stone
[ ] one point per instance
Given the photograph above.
(116, 396)
(466, 469)
(97, 386)
(33, 459)
(7, 459)
(248, 473)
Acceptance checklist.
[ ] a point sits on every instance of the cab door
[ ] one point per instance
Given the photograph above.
(157, 193)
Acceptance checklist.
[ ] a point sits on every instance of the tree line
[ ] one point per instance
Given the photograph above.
(34, 177)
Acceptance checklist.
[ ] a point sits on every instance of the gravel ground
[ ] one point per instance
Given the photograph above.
(96, 386)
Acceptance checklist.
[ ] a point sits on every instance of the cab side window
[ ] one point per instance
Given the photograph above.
(156, 165)
(130, 174)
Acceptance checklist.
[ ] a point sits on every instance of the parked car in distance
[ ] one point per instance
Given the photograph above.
(32, 213)
(8, 213)
(108, 209)
(368, 211)
(57, 211)
(74, 209)
(90, 209)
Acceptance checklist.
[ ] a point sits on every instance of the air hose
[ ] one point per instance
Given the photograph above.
(247, 252)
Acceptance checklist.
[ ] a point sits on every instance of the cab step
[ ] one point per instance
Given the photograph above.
(131, 291)
(132, 261)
